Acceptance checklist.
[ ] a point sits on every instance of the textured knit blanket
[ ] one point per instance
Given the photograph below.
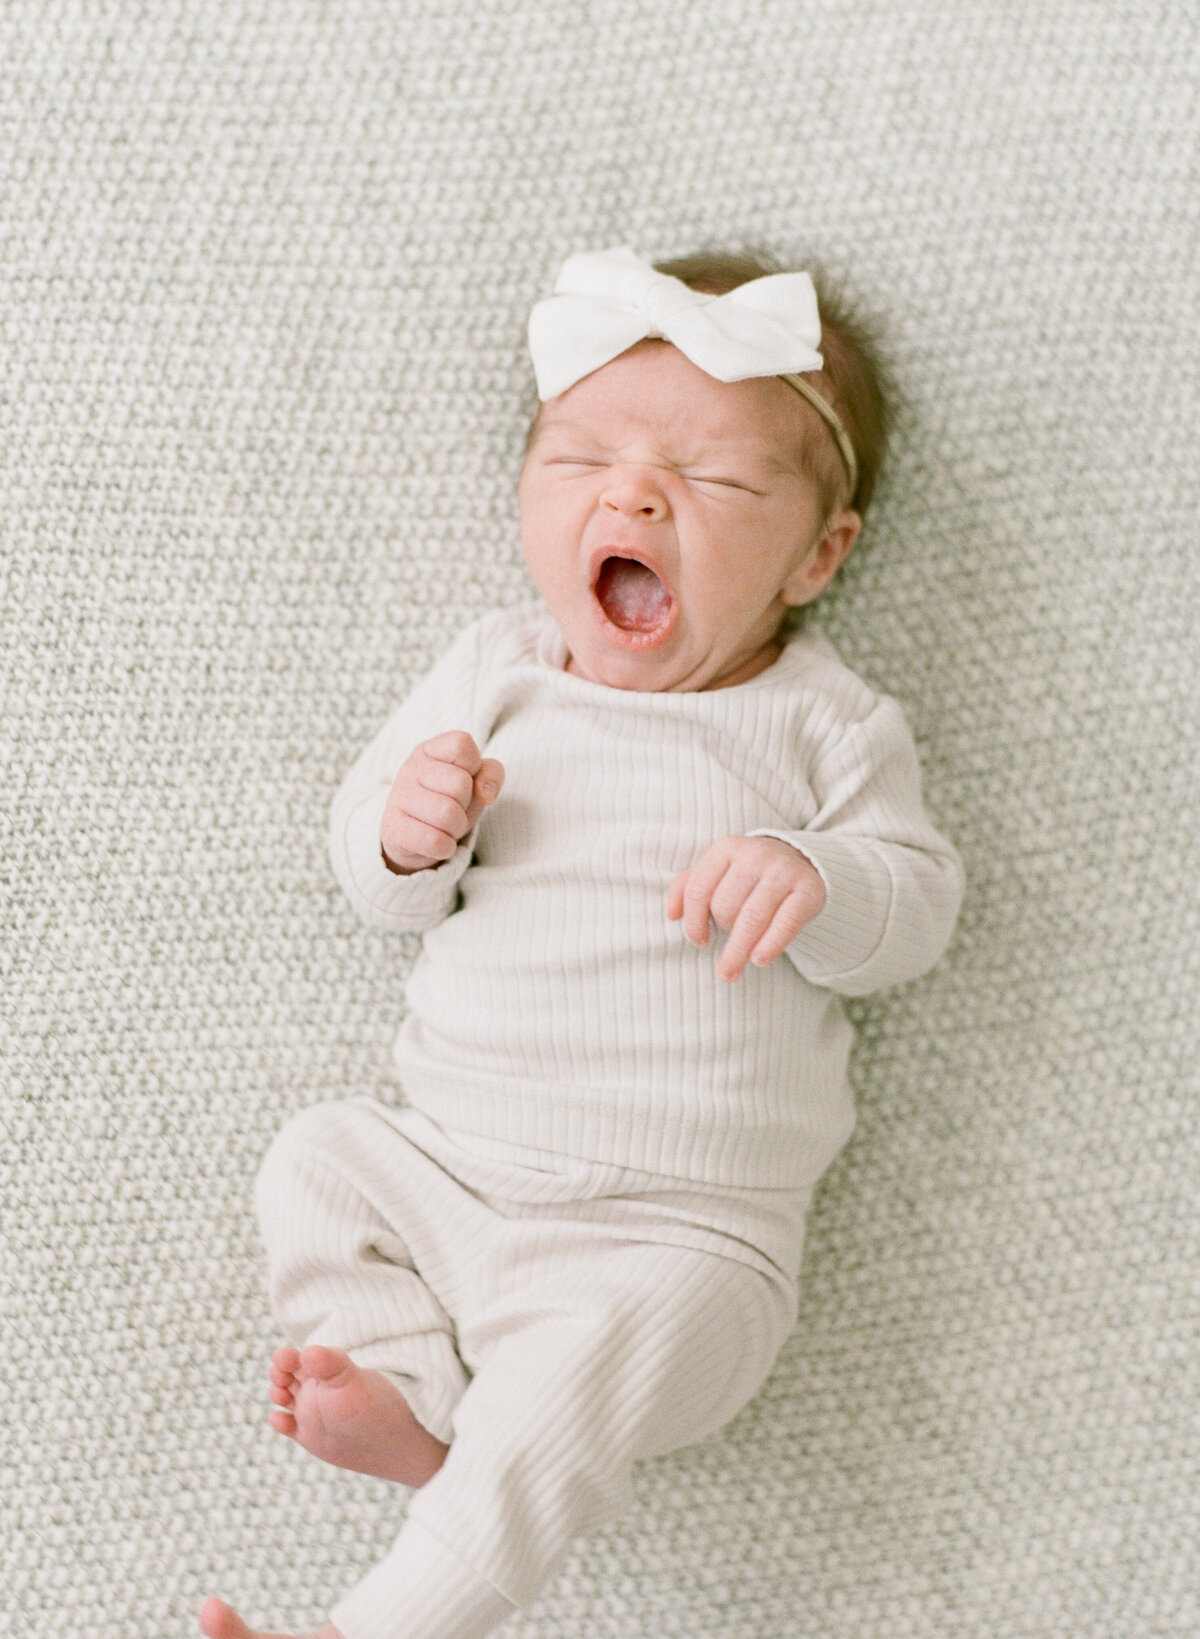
(265, 267)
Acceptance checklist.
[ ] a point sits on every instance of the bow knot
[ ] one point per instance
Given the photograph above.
(663, 300)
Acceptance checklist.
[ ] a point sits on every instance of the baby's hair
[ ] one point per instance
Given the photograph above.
(855, 367)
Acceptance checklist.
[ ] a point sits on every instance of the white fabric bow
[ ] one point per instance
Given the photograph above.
(606, 301)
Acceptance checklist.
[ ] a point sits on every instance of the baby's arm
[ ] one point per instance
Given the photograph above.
(419, 886)
(889, 889)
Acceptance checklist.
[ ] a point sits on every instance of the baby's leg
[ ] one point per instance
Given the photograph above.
(332, 1195)
(373, 1384)
(625, 1353)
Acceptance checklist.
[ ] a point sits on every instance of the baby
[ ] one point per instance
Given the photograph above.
(578, 1243)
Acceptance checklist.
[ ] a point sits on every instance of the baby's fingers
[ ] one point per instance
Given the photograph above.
(690, 895)
(752, 926)
(455, 746)
(791, 916)
(675, 896)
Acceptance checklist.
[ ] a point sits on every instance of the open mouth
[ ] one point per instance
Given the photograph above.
(632, 596)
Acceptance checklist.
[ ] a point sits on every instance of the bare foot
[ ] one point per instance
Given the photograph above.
(351, 1417)
(220, 1621)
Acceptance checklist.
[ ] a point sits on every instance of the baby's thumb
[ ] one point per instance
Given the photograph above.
(489, 777)
(488, 780)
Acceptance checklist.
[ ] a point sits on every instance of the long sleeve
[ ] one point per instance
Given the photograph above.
(894, 884)
(444, 699)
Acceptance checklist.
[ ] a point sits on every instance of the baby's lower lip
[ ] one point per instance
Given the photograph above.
(636, 640)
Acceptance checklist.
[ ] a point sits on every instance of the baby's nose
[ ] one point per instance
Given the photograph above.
(635, 492)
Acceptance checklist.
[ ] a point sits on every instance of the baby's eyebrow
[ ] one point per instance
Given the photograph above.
(790, 464)
(578, 429)
(716, 452)
(754, 456)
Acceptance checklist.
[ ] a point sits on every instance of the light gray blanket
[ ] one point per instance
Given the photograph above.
(264, 272)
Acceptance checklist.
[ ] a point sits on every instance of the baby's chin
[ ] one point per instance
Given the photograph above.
(619, 672)
(646, 671)
(666, 671)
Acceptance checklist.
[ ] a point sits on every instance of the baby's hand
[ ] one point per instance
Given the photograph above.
(761, 890)
(439, 793)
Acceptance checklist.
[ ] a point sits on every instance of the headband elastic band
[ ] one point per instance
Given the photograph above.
(835, 424)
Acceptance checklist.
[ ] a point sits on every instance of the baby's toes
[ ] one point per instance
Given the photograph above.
(283, 1394)
(322, 1364)
(286, 1361)
(283, 1423)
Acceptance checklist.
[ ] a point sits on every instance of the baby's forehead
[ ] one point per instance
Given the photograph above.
(654, 395)
(613, 424)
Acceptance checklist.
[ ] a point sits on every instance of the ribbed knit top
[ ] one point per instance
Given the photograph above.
(554, 1007)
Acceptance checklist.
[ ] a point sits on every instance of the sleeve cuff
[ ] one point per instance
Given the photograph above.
(408, 904)
(851, 924)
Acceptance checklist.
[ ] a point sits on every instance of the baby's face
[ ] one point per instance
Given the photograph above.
(668, 522)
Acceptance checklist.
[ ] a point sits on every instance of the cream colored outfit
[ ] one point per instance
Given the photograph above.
(580, 1244)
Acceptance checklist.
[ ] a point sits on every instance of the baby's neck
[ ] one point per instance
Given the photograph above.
(766, 656)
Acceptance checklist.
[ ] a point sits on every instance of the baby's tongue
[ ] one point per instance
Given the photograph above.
(631, 595)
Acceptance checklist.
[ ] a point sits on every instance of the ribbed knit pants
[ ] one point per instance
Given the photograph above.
(552, 1322)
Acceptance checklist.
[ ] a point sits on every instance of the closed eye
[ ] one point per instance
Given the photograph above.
(724, 483)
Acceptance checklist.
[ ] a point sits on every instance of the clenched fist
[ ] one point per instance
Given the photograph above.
(439, 793)
(759, 889)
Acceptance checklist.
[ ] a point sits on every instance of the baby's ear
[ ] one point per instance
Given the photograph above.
(823, 561)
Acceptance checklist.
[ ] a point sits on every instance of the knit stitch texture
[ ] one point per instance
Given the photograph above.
(265, 267)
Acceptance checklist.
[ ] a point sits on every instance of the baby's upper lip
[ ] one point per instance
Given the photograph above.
(624, 549)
